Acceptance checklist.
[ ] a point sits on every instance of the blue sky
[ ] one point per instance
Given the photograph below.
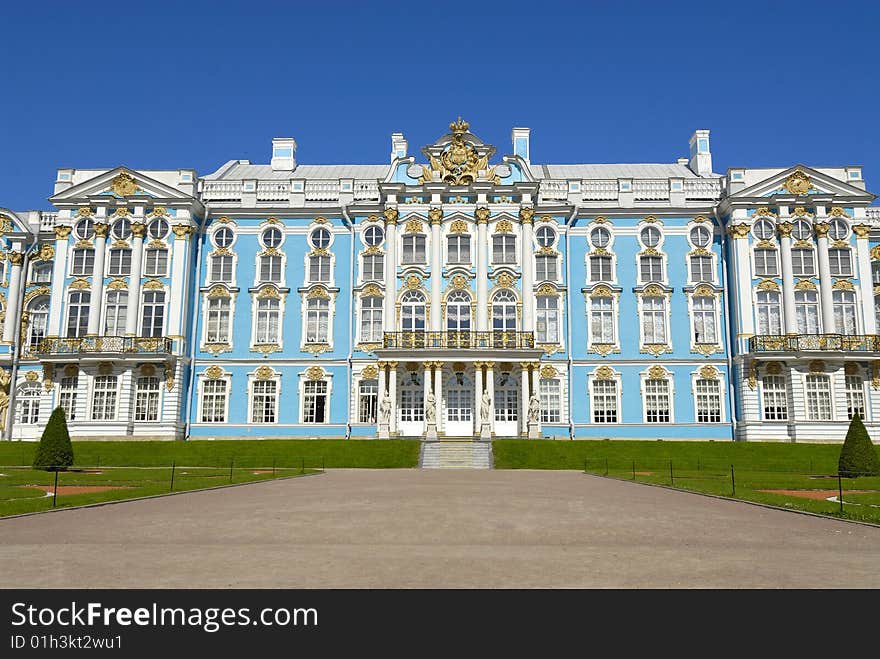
(172, 85)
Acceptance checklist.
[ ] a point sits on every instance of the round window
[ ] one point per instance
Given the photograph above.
(85, 229)
(272, 237)
(158, 228)
(701, 236)
(763, 229)
(320, 238)
(600, 237)
(546, 236)
(838, 230)
(374, 235)
(122, 229)
(223, 237)
(802, 230)
(650, 236)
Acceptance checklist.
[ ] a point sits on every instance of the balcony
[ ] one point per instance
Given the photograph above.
(460, 340)
(773, 343)
(103, 346)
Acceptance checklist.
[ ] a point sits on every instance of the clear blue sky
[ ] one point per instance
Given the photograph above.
(193, 84)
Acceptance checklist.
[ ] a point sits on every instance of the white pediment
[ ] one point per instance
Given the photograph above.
(12, 223)
(802, 181)
(120, 183)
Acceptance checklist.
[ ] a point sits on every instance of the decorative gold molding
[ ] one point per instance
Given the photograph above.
(604, 373)
(372, 290)
(264, 373)
(218, 347)
(458, 226)
(318, 293)
(124, 185)
(46, 253)
(214, 372)
(84, 211)
(219, 291)
(843, 285)
(768, 285)
(391, 215)
(79, 285)
(797, 183)
(526, 215)
(657, 372)
(482, 215)
(784, 229)
(817, 366)
(738, 231)
(837, 211)
(369, 372)
(709, 372)
(62, 232)
(503, 226)
(773, 368)
(31, 376)
(182, 231)
(153, 285)
(435, 215)
(851, 368)
(459, 282)
(862, 231)
(35, 293)
(414, 226)
(804, 285)
(138, 229)
(821, 229)
(314, 373)
(548, 372)
(504, 280)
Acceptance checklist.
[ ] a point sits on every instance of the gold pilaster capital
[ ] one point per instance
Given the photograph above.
(784, 229)
(100, 229)
(62, 232)
(862, 231)
(821, 229)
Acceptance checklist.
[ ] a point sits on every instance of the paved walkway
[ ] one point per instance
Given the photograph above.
(411, 528)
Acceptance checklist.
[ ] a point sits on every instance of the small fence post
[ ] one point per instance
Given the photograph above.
(231, 465)
(732, 481)
(55, 491)
(273, 467)
(634, 469)
(606, 466)
(671, 478)
(840, 491)
(322, 464)
(173, 465)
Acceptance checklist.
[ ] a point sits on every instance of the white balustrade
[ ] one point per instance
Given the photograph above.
(273, 190)
(702, 188)
(48, 220)
(366, 191)
(554, 190)
(598, 190)
(322, 191)
(872, 213)
(222, 191)
(651, 189)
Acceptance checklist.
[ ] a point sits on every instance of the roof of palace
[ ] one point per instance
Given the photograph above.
(237, 170)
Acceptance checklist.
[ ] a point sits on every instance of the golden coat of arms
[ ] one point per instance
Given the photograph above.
(798, 183)
(459, 163)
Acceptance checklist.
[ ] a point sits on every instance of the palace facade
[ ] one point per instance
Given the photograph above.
(447, 294)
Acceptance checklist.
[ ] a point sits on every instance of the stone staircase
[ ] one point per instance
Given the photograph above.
(451, 454)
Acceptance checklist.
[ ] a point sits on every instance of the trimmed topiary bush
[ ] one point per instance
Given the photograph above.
(55, 452)
(857, 455)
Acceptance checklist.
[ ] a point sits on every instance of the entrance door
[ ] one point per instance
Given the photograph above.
(411, 405)
(506, 406)
(459, 398)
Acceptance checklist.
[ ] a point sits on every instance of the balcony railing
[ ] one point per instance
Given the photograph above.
(141, 345)
(815, 343)
(495, 339)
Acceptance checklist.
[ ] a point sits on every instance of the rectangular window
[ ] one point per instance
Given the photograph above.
(875, 272)
(802, 263)
(146, 405)
(806, 306)
(458, 249)
(775, 398)
(120, 262)
(704, 320)
(319, 269)
(221, 269)
(264, 404)
(503, 249)
(602, 320)
(766, 263)
(29, 405)
(374, 268)
(657, 403)
(600, 268)
(840, 261)
(318, 321)
(315, 401)
(654, 320)
(83, 262)
(708, 401)
(371, 319)
(819, 398)
(217, 321)
(270, 268)
(547, 321)
(413, 250)
(156, 263)
(114, 318)
(550, 395)
(604, 401)
(104, 398)
(40, 274)
(67, 396)
(153, 319)
(268, 321)
(651, 268)
(701, 269)
(368, 400)
(855, 396)
(214, 401)
(769, 313)
(546, 268)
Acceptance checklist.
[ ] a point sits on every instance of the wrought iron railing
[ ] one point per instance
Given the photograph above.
(103, 344)
(814, 342)
(493, 339)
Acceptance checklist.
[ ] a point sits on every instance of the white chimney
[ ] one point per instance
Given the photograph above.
(283, 154)
(520, 139)
(700, 162)
(399, 146)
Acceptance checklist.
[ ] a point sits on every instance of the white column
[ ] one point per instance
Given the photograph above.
(16, 259)
(96, 302)
(863, 255)
(428, 382)
(436, 269)
(527, 259)
(825, 283)
(393, 393)
(787, 277)
(134, 281)
(59, 273)
(478, 393)
(382, 382)
(482, 270)
(745, 314)
(524, 399)
(490, 387)
(388, 318)
(438, 392)
(180, 272)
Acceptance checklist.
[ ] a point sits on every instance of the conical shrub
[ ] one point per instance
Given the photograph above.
(55, 451)
(858, 457)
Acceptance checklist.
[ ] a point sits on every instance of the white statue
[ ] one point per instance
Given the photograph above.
(485, 405)
(534, 409)
(385, 410)
(431, 408)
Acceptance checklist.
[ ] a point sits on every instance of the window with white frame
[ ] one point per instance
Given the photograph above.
(156, 263)
(700, 236)
(838, 229)
(146, 402)
(67, 390)
(844, 312)
(506, 398)
(374, 267)
(657, 401)
(604, 401)
(546, 268)
(458, 249)
(769, 313)
(503, 249)
(766, 263)
(650, 236)
(264, 401)
(806, 306)
(114, 316)
(120, 262)
(412, 312)
(600, 237)
(38, 323)
(840, 262)
(413, 249)
(374, 235)
(818, 398)
(221, 268)
(104, 398)
(319, 269)
(547, 321)
(601, 268)
(877, 311)
(29, 403)
(654, 320)
(412, 402)
(550, 395)
(855, 396)
(763, 229)
(602, 321)
(315, 401)
(41, 273)
(775, 398)
(504, 311)
(82, 262)
(214, 397)
(217, 321)
(223, 237)
(153, 319)
(458, 312)
(708, 400)
(371, 319)
(270, 268)
(78, 313)
(158, 228)
(368, 401)
(320, 238)
(317, 320)
(802, 262)
(268, 321)
(2, 270)
(122, 229)
(875, 272)
(701, 269)
(705, 319)
(545, 236)
(651, 268)
(85, 229)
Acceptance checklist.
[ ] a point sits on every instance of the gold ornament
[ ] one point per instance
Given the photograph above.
(264, 373)
(370, 373)
(817, 366)
(784, 229)
(459, 282)
(62, 232)
(482, 215)
(413, 282)
(31, 376)
(738, 231)
(391, 215)
(548, 372)
(414, 226)
(709, 372)
(458, 226)
(526, 215)
(214, 372)
(657, 373)
(503, 226)
(315, 373)
(124, 185)
(798, 183)
(435, 215)
(604, 373)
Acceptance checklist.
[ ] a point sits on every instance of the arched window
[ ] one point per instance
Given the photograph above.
(458, 312)
(504, 311)
(154, 313)
(547, 324)
(268, 321)
(412, 312)
(38, 313)
(78, 313)
(29, 403)
(317, 320)
(117, 308)
(371, 319)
